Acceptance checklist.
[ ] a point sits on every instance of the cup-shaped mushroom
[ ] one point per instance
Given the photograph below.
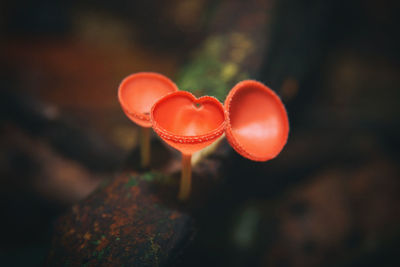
(257, 122)
(138, 92)
(188, 123)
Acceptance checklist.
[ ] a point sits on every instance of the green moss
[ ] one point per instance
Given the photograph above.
(216, 66)
(97, 242)
(152, 254)
(149, 176)
(153, 176)
(100, 254)
(131, 182)
(202, 77)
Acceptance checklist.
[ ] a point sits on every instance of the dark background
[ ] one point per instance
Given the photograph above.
(330, 199)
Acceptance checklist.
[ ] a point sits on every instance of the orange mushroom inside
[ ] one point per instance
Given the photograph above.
(258, 121)
(182, 115)
(140, 91)
(188, 124)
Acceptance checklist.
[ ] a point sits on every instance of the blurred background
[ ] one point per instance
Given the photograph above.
(330, 199)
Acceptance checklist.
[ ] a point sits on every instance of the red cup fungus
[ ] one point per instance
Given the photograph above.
(188, 124)
(253, 117)
(137, 93)
(257, 122)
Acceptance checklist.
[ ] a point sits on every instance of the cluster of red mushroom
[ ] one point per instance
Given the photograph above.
(253, 117)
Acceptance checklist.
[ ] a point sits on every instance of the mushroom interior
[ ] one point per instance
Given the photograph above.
(258, 121)
(183, 115)
(140, 92)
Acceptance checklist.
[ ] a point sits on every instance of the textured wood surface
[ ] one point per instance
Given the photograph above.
(125, 223)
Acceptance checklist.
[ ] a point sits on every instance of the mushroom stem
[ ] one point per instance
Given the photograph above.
(186, 177)
(145, 146)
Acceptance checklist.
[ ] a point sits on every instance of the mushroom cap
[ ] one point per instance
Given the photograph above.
(138, 92)
(257, 122)
(188, 123)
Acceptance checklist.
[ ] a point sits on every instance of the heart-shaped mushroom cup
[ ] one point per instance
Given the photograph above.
(188, 124)
(257, 122)
(137, 93)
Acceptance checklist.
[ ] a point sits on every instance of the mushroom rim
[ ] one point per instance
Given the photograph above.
(185, 139)
(229, 131)
(125, 106)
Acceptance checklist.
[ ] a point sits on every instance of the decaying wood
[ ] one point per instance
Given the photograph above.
(126, 223)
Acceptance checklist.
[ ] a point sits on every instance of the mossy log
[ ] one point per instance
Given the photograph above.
(123, 224)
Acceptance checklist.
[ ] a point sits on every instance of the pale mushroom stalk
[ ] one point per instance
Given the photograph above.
(188, 124)
(137, 93)
(145, 146)
(186, 177)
